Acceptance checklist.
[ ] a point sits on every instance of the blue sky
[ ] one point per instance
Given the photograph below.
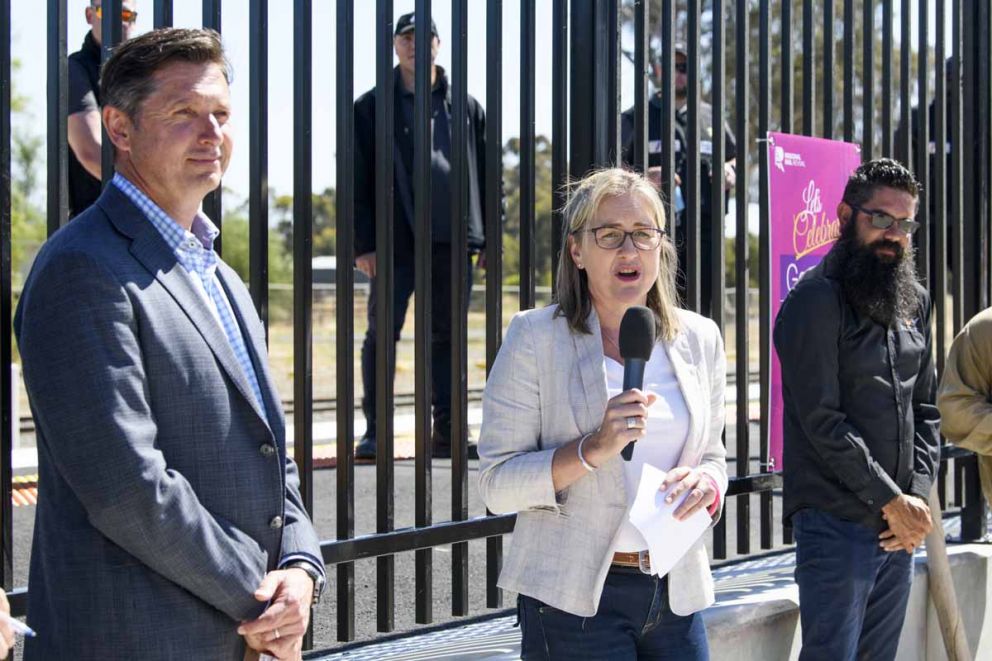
(29, 25)
(29, 22)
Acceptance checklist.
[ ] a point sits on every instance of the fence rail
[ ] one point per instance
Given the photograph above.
(741, 55)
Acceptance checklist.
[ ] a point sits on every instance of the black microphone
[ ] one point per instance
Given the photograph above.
(637, 330)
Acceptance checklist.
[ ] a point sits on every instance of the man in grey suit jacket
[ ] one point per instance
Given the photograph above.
(169, 522)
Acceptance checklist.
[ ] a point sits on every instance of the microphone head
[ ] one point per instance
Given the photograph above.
(637, 329)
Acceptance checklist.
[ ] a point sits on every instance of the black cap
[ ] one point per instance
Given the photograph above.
(406, 24)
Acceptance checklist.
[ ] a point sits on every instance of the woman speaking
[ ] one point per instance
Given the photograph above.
(552, 436)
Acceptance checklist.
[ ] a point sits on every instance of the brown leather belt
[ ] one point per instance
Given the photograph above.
(633, 559)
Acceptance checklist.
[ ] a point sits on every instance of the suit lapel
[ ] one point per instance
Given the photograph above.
(685, 373)
(243, 307)
(589, 353)
(151, 250)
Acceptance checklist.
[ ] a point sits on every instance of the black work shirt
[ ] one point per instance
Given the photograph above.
(440, 151)
(860, 423)
(84, 96)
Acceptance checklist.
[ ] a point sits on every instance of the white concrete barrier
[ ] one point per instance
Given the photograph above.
(760, 620)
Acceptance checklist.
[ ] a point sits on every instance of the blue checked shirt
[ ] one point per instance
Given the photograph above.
(194, 250)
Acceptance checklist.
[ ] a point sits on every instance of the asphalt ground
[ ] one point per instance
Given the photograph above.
(325, 615)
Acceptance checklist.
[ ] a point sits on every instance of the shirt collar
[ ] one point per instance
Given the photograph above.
(203, 231)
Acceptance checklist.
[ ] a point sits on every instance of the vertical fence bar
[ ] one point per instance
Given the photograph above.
(787, 95)
(887, 78)
(423, 244)
(941, 217)
(849, 70)
(212, 203)
(828, 67)
(640, 85)
(764, 258)
(868, 82)
(6, 306)
(258, 157)
(925, 267)
(955, 192)
(742, 275)
(303, 249)
(344, 289)
(383, 283)
(667, 84)
(58, 109)
(559, 126)
(903, 149)
(527, 174)
(459, 330)
(787, 104)
(494, 219)
(113, 32)
(692, 186)
(809, 69)
(717, 256)
(613, 150)
(163, 14)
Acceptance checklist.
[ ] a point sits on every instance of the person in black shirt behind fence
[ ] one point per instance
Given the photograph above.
(403, 223)
(84, 127)
(681, 147)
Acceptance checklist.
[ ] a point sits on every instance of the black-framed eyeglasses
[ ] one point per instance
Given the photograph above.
(883, 221)
(611, 238)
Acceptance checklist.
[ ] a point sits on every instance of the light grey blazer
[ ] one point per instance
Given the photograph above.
(546, 388)
(165, 494)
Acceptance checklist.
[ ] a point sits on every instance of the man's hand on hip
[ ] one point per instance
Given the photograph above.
(366, 264)
(279, 630)
(909, 522)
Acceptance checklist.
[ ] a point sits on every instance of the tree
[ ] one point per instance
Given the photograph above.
(543, 205)
(324, 219)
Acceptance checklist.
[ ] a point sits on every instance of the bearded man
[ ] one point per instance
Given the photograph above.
(861, 425)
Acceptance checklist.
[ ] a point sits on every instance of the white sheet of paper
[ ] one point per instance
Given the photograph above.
(668, 538)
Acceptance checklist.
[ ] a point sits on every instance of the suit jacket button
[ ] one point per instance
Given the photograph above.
(276, 523)
(267, 450)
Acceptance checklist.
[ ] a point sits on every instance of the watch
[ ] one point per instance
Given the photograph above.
(317, 578)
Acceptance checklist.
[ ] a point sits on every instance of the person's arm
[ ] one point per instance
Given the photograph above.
(84, 123)
(926, 416)
(966, 388)
(85, 139)
(84, 368)
(806, 335)
(514, 471)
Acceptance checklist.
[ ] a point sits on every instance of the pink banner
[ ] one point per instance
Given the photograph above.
(806, 179)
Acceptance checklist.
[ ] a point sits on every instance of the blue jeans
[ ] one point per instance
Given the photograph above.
(852, 593)
(634, 621)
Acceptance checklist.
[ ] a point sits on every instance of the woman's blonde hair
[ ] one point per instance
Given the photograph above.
(583, 198)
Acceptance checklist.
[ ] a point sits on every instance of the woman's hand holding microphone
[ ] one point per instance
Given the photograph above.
(625, 421)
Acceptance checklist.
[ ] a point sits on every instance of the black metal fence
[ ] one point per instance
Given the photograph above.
(758, 94)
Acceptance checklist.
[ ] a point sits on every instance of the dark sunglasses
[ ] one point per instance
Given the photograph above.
(883, 221)
(682, 67)
(611, 238)
(127, 15)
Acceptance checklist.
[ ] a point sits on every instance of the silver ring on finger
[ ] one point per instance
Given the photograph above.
(632, 422)
(276, 633)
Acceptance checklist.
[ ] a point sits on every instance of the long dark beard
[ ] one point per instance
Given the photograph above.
(882, 288)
